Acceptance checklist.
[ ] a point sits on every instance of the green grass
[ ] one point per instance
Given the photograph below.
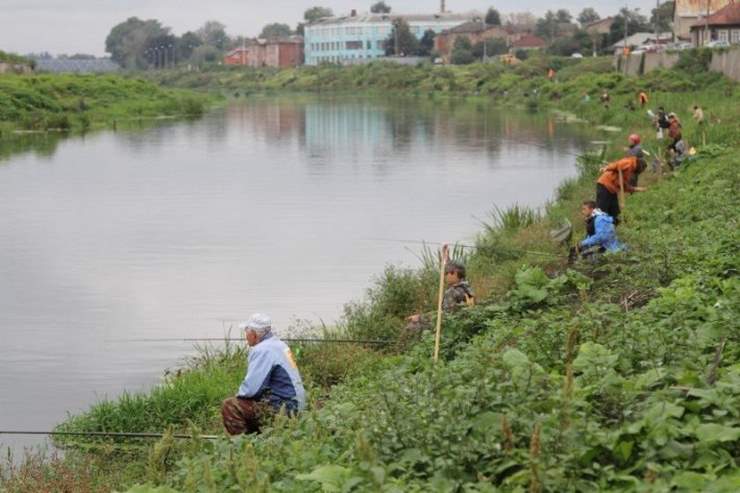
(82, 102)
(619, 375)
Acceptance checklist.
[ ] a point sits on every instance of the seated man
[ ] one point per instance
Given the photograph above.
(272, 382)
(601, 236)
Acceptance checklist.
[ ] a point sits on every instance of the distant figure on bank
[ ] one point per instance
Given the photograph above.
(458, 294)
(272, 384)
(601, 236)
(698, 115)
(551, 73)
(605, 99)
(674, 131)
(642, 98)
(677, 153)
(608, 184)
(661, 122)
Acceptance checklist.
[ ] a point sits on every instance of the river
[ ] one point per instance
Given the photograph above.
(273, 205)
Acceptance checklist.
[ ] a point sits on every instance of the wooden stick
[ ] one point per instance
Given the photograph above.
(621, 195)
(438, 330)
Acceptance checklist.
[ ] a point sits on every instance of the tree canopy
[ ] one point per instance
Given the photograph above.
(587, 16)
(213, 33)
(380, 8)
(128, 40)
(401, 41)
(315, 13)
(493, 17)
(276, 30)
(663, 16)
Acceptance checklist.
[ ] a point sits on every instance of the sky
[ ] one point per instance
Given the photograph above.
(81, 26)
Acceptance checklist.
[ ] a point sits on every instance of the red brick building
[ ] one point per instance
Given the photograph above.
(474, 31)
(276, 53)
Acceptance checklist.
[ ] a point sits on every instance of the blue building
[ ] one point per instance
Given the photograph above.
(357, 38)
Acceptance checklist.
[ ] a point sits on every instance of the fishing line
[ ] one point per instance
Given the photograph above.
(462, 245)
(105, 434)
(227, 339)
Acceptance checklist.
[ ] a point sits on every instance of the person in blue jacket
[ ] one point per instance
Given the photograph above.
(273, 382)
(601, 235)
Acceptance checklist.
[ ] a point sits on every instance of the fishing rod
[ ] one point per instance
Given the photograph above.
(379, 342)
(471, 247)
(105, 434)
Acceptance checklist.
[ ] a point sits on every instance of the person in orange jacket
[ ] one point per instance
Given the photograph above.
(608, 184)
(642, 98)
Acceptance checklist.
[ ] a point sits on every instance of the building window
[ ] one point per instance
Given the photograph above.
(724, 35)
(353, 45)
(369, 45)
(380, 45)
(735, 36)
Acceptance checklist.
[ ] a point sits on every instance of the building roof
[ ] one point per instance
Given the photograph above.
(370, 18)
(695, 8)
(726, 16)
(529, 41)
(473, 27)
(639, 39)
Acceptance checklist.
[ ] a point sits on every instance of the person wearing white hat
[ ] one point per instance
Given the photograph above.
(272, 383)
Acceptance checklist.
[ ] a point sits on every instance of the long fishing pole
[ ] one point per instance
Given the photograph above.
(379, 342)
(472, 247)
(105, 434)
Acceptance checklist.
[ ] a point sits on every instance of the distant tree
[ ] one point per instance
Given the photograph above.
(493, 18)
(521, 54)
(401, 41)
(160, 50)
(580, 42)
(663, 16)
(380, 8)
(521, 20)
(300, 28)
(128, 40)
(492, 47)
(213, 33)
(82, 56)
(636, 23)
(462, 51)
(206, 54)
(315, 13)
(426, 45)
(186, 44)
(563, 16)
(276, 30)
(587, 16)
(547, 26)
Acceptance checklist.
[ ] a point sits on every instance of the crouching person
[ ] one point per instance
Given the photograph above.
(272, 384)
(601, 235)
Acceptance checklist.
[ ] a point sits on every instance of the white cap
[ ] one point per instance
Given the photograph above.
(258, 322)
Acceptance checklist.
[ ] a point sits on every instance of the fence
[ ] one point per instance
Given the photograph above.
(725, 61)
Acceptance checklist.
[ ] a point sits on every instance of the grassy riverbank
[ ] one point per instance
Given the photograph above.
(41, 103)
(619, 375)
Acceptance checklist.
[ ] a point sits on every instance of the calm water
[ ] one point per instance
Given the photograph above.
(272, 205)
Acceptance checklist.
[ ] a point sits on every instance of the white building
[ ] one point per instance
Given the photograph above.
(357, 38)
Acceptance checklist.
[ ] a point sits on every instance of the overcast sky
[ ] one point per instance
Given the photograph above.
(72, 26)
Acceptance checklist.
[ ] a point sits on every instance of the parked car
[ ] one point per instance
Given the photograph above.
(718, 44)
(576, 55)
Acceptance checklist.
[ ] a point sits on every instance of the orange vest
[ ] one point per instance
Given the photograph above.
(610, 177)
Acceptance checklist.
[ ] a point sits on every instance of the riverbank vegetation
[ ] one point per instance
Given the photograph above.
(39, 103)
(620, 374)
